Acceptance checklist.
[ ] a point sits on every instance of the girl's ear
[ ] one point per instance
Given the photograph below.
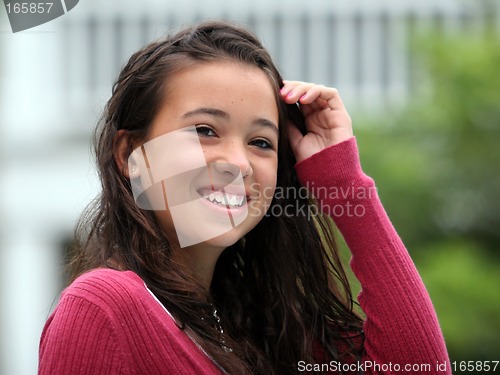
(122, 149)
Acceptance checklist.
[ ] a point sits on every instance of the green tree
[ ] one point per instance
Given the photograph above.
(437, 168)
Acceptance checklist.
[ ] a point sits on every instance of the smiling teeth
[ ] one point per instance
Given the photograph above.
(230, 199)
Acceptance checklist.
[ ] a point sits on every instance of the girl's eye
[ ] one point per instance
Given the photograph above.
(205, 131)
(262, 143)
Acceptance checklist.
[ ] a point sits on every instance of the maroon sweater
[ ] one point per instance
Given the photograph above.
(107, 322)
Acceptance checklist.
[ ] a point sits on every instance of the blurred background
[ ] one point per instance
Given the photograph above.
(420, 79)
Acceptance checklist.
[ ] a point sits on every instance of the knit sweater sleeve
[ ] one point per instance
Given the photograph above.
(401, 327)
(79, 338)
(108, 322)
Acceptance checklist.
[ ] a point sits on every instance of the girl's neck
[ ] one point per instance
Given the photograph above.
(199, 260)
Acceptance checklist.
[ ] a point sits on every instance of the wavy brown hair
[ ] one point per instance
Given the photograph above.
(281, 291)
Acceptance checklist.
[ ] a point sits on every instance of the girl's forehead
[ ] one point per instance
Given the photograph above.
(217, 72)
(221, 81)
(234, 91)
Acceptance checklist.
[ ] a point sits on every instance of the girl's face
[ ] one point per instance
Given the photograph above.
(224, 114)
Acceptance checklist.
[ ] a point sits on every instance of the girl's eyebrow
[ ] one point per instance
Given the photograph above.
(207, 111)
(267, 124)
(225, 116)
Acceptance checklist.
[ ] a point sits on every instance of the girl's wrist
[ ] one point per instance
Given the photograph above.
(337, 166)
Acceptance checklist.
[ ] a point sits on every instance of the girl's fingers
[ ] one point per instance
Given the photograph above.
(326, 119)
(319, 96)
(292, 92)
(329, 95)
(315, 106)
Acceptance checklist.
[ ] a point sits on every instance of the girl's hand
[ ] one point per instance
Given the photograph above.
(326, 118)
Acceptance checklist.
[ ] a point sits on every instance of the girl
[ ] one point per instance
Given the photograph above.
(204, 254)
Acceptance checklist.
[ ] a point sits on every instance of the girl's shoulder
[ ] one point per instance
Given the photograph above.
(110, 317)
(105, 277)
(107, 288)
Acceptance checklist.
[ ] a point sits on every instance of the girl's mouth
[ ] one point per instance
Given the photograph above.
(226, 199)
(220, 201)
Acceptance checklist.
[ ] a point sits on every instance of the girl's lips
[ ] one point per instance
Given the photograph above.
(228, 189)
(226, 198)
(224, 207)
(231, 195)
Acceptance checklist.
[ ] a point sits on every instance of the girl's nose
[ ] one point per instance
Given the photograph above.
(232, 160)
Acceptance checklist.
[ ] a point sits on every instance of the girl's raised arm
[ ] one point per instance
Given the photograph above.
(402, 333)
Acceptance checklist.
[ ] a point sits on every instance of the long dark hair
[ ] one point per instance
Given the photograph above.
(281, 291)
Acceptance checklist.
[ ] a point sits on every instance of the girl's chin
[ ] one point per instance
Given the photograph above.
(225, 240)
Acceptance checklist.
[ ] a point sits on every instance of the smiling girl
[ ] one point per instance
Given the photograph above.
(183, 265)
